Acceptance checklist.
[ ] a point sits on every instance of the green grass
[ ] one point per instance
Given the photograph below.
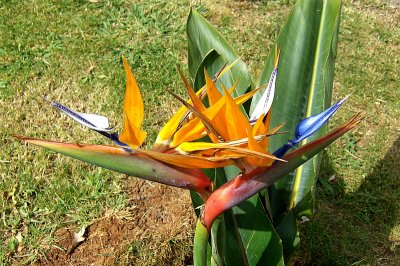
(70, 51)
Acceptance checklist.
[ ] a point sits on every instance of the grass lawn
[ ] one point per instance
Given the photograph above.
(70, 51)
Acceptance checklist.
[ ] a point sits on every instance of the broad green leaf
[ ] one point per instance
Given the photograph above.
(304, 88)
(233, 249)
(133, 164)
(260, 242)
(319, 99)
(287, 230)
(202, 38)
(212, 62)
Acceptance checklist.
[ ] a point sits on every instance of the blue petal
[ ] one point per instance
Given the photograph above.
(115, 138)
(310, 125)
(279, 153)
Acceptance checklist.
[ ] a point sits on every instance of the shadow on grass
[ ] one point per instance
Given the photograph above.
(356, 227)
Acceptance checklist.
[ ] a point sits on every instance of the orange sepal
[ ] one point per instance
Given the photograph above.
(195, 128)
(169, 129)
(133, 111)
(187, 161)
(193, 97)
(235, 121)
(255, 146)
(132, 135)
(212, 92)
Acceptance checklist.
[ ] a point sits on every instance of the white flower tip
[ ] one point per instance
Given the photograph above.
(344, 99)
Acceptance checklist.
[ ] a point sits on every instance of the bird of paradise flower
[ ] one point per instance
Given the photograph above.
(180, 152)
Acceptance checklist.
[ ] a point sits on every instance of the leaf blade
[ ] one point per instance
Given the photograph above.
(322, 80)
(202, 38)
(303, 87)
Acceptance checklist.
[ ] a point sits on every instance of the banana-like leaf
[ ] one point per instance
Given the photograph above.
(203, 38)
(133, 164)
(304, 87)
(255, 235)
(287, 230)
(212, 63)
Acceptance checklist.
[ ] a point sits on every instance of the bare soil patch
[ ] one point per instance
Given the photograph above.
(156, 229)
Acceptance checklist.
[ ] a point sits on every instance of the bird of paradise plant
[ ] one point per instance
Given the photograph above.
(212, 130)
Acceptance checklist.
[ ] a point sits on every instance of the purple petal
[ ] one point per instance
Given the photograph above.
(310, 125)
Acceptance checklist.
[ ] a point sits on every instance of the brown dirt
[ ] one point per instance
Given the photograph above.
(156, 230)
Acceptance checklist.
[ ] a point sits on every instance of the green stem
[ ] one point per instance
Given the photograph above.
(200, 247)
